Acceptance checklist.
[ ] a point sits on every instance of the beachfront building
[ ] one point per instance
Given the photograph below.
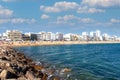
(4, 37)
(48, 36)
(75, 37)
(13, 35)
(91, 36)
(33, 37)
(42, 36)
(67, 37)
(105, 37)
(59, 36)
(97, 36)
(26, 37)
(53, 37)
(85, 36)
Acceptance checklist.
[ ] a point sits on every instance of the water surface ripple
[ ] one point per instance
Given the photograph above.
(87, 61)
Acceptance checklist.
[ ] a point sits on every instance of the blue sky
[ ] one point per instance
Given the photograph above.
(65, 16)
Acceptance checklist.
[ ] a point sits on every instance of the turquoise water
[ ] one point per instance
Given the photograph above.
(87, 61)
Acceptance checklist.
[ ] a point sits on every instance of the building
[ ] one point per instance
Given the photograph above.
(105, 37)
(53, 37)
(75, 37)
(14, 35)
(59, 36)
(48, 36)
(85, 36)
(33, 37)
(42, 36)
(67, 37)
(25, 37)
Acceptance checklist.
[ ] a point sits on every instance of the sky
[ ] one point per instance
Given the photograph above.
(66, 16)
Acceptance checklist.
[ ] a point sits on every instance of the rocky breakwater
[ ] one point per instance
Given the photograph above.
(16, 66)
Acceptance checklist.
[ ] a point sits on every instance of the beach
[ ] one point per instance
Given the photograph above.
(40, 43)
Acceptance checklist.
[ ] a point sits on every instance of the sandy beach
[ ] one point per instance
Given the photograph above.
(40, 43)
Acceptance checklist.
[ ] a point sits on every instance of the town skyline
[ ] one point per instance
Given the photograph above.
(80, 33)
(16, 35)
(60, 16)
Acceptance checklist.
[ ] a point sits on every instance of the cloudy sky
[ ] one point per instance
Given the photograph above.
(74, 16)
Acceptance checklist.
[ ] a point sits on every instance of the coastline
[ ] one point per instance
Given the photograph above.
(41, 43)
(14, 65)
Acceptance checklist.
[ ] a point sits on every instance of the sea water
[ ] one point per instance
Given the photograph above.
(87, 61)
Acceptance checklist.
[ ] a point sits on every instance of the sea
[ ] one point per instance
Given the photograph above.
(87, 61)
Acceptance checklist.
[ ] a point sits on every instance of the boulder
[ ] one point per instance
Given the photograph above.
(7, 75)
(29, 75)
(21, 78)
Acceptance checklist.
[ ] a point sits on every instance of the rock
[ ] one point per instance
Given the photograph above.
(37, 67)
(16, 66)
(10, 79)
(8, 64)
(65, 70)
(10, 69)
(4, 74)
(56, 78)
(29, 75)
(45, 77)
(7, 75)
(21, 78)
(4, 58)
(51, 71)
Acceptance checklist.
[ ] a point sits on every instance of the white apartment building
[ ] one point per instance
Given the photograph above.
(59, 36)
(67, 37)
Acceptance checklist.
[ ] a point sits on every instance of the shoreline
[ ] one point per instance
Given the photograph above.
(14, 65)
(47, 43)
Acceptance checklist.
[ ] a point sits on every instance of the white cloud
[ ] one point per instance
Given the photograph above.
(85, 9)
(101, 3)
(4, 12)
(44, 16)
(70, 19)
(66, 17)
(60, 6)
(87, 20)
(8, 0)
(49, 9)
(115, 20)
(67, 6)
(17, 21)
